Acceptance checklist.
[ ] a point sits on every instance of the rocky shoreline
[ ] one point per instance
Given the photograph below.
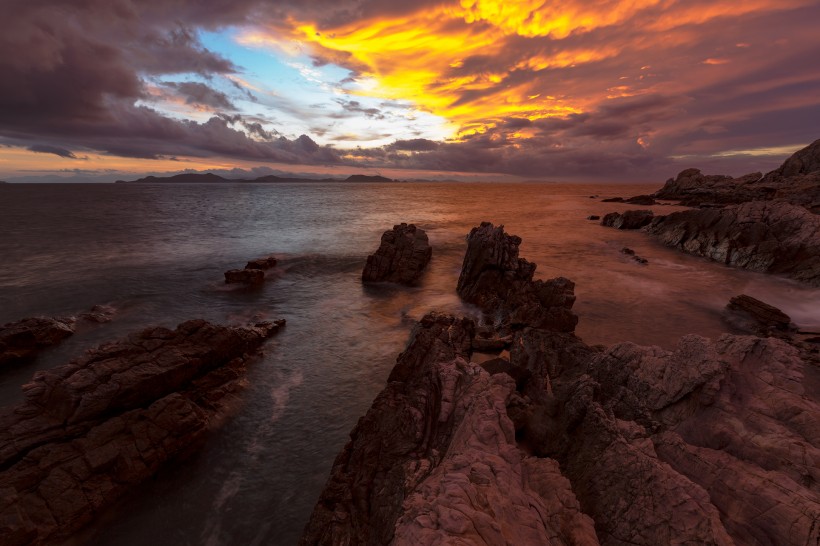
(716, 442)
(769, 224)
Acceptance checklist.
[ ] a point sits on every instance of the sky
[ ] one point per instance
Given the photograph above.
(606, 90)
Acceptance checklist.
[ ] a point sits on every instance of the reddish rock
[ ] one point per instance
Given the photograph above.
(494, 278)
(91, 429)
(244, 276)
(631, 219)
(645, 200)
(756, 317)
(21, 341)
(403, 254)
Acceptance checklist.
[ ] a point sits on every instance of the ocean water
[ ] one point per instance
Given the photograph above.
(156, 253)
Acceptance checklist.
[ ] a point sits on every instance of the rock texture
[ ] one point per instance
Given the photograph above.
(262, 263)
(631, 219)
(714, 443)
(766, 236)
(403, 254)
(21, 341)
(89, 430)
(495, 279)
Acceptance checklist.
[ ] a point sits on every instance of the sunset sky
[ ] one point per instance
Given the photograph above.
(605, 90)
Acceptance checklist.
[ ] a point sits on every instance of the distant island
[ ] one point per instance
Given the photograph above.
(210, 178)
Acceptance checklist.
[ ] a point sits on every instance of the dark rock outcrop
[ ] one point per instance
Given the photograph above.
(593, 217)
(89, 430)
(403, 254)
(21, 341)
(244, 276)
(495, 279)
(756, 317)
(797, 181)
(766, 236)
(631, 219)
(645, 200)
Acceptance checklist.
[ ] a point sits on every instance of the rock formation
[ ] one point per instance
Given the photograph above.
(716, 442)
(21, 341)
(766, 236)
(797, 181)
(262, 263)
(756, 317)
(495, 279)
(244, 276)
(89, 430)
(631, 219)
(403, 254)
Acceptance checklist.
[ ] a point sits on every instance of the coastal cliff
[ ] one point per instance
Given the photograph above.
(716, 442)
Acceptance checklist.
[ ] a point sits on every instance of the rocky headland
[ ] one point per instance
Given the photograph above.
(89, 430)
(716, 442)
(769, 224)
(402, 255)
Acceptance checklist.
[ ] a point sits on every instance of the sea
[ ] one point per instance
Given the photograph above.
(157, 253)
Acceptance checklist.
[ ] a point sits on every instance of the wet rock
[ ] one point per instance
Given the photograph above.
(262, 263)
(766, 236)
(495, 279)
(756, 317)
(99, 314)
(631, 219)
(403, 254)
(613, 200)
(95, 427)
(629, 252)
(644, 200)
(21, 341)
(593, 217)
(244, 276)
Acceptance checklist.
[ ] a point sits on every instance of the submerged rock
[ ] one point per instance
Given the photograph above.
(766, 236)
(244, 276)
(21, 341)
(645, 200)
(262, 263)
(91, 429)
(495, 279)
(403, 254)
(631, 219)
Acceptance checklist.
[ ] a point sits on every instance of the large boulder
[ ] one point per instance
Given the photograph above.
(766, 236)
(403, 254)
(753, 316)
(88, 431)
(21, 341)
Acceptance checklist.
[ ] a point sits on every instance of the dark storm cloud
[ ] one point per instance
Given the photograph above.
(200, 94)
(56, 150)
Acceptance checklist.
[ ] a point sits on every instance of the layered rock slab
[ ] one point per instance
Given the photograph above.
(21, 341)
(765, 236)
(495, 279)
(89, 430)
(402, 256)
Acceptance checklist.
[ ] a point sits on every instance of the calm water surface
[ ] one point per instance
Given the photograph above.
(157, 253)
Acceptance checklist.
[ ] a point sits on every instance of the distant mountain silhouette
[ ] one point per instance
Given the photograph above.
(210, 178)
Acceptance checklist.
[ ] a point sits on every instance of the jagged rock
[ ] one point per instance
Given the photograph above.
(262, 263)
(244, 276)
(766, 236)
(434, 461)
(403, 254)
(494, 278)
(21, 341)
(91, 429)
(756, 317)
(631, 219)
